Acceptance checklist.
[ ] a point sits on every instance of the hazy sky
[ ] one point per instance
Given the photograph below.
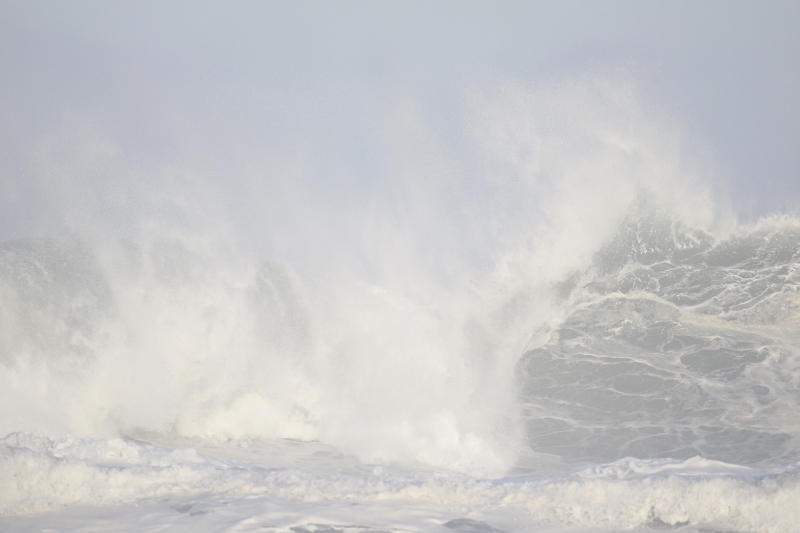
(95, 94)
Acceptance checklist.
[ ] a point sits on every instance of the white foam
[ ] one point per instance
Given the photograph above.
(37, 474)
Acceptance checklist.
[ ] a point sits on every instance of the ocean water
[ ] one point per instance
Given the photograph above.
(145, 387)
(554, 327)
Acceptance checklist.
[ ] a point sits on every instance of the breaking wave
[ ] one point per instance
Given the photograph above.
(597, 347)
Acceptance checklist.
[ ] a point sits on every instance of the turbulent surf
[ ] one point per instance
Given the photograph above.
(554, 327)
(660, 390)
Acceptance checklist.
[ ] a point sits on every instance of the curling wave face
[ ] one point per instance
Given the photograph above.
(673, 344)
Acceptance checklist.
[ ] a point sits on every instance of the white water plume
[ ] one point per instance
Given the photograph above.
(391, 319)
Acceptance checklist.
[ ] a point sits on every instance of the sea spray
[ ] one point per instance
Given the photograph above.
(590, 302)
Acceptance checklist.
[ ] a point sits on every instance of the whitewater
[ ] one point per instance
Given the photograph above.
(588, 343)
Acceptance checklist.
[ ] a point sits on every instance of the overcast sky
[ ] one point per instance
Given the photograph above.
(94, 95)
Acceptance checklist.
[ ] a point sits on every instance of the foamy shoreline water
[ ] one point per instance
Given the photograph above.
(181, 488)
